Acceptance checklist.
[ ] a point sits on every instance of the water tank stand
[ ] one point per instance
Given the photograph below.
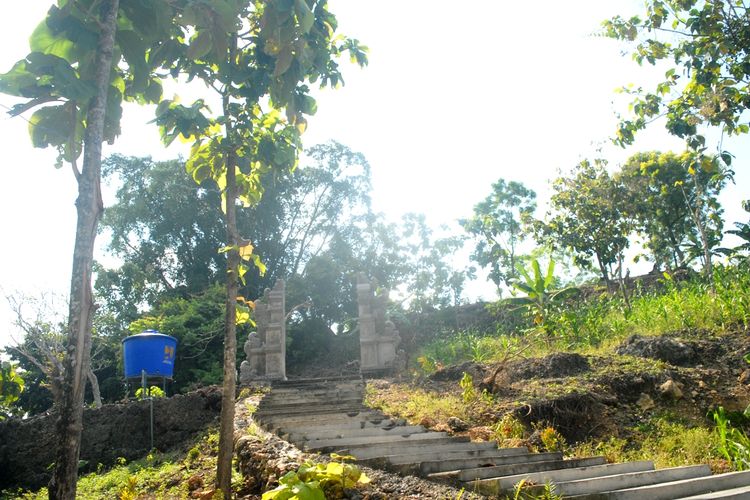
(145, 390)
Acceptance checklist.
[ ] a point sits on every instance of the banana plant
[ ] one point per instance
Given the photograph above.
(540, 297)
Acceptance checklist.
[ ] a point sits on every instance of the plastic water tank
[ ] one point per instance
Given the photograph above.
(151, 351)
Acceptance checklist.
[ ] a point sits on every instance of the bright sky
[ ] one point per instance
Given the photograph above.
(457, 95)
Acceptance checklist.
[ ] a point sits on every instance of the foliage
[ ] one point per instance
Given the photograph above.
(468, 393)
(414, 404)
(196, 322)
(742, 231)
(663, 191)
(552, 439)
(152, 392)
(11, 387)
(497, 224)
(704, 43)
(540, 297)
(666, 439)
(734, 444)
(545, 492)
(316, 481)
(588, 216)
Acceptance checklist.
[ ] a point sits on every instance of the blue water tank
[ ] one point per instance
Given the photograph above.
(150, 351)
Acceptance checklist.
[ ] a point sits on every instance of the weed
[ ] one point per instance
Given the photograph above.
(468, 393)
(509, 427)
(734, 444)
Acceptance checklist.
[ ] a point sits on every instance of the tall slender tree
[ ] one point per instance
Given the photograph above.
(86, 57)
(259, 57)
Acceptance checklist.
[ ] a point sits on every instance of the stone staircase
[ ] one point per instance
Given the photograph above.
(328, 415)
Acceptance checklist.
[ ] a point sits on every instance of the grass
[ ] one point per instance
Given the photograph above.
(694, 306)
(157, 476)
(666, 440)
(415, 405)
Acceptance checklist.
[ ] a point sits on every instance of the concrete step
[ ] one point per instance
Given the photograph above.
(480, 473)
(430, 467)
(314, 400)
(328, 445)
(675, 489)
(630, 480)
(507, 483)
(354, 424)
(364, 452)
(311, 382)
(323, 419)
(310, 406)
(302, 410)
(318, 435)
(409, 458)
(743, 493)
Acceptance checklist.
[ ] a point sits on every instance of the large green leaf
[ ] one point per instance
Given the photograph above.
(44, 41)
(50, 126)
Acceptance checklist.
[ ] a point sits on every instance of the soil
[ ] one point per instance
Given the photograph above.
(597, 397)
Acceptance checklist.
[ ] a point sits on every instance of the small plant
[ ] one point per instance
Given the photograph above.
(469, 394)
(193, 454)
(547, 493)
(152, 392)
(540, 297)
(552, 439)
(734, 444)
(129, 491)
(509, 427)
(318, 481)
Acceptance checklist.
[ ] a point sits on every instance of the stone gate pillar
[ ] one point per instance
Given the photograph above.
(378, 337)
(266, 347)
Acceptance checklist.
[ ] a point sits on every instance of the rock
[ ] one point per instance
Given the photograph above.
(662, 348)
(671, 390)
(427, 422)
(194, 482)
(441, 427)
(481, 433)
(744, 377)
(457, 425)
(645, 402)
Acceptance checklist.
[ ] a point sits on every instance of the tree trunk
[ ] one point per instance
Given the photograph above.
(226, 429)
(94, 387)
(89, 207)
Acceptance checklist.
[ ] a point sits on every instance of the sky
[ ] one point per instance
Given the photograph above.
(456, 96)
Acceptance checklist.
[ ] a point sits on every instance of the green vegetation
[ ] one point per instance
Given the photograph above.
(692, 306)
(158, 475)
(11, 387)
(314, 481)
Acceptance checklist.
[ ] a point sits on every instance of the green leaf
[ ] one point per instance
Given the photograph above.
(50, 126)
(305, 17)
(44, 41)
(200, 45)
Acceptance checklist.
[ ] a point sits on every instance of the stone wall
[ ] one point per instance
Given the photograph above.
(117, 430)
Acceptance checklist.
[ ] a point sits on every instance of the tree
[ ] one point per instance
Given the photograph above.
(11, 387)
(86, 57)
(259, 57)
(664, 195)
(589, 216)
(497, 224)
(706, 43)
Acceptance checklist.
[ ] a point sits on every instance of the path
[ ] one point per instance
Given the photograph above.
(328, 415)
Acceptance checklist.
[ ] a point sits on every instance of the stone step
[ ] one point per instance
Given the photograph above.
(291, 421)
(409, 458)
(299, 399)
(368, 451)
(429, 467)
(477, 474)
(313, 436)
(743, 492)
(328, 445)
(358, 424)
(507, 483)
(630, 480)
(311, 406)
(311, 382)
(323, 409)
